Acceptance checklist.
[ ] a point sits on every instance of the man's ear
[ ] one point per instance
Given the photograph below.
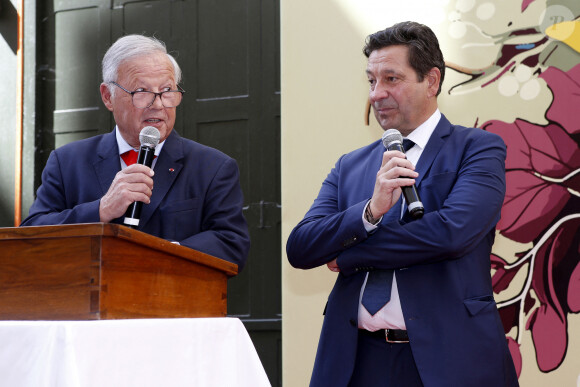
(433, 79)
(106, 96)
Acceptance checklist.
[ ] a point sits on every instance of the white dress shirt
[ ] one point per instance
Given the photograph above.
(391, 315)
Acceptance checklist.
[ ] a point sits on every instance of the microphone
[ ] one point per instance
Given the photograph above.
(393, 140)
(149, 138)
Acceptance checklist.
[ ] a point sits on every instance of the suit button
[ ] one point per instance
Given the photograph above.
(352, 322)
(349, 241)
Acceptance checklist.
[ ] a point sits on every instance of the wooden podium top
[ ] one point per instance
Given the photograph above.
(106, 271)
(122, 232)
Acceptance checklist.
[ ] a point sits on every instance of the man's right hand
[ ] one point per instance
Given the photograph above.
(395, 172)
(132, 184)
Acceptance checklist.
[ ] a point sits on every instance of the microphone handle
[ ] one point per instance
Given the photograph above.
(133, 214)
(414, 204)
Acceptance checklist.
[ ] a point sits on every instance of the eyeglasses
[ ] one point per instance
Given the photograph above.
(144, 99)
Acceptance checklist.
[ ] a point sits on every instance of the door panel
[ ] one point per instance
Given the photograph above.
(77, 71)
(223, 48)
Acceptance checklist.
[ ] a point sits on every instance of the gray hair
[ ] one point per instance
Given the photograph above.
(131, 46)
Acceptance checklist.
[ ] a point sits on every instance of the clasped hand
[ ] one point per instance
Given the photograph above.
(395, 172)
(132, 184)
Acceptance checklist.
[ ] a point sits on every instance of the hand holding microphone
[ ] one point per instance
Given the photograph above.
(149, 138)
(132, 184)
(395, 173)
(393, 140)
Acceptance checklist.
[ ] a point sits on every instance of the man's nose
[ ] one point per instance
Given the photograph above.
(157, 102)
(378, 92)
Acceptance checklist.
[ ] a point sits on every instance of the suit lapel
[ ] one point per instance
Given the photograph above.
(168, 166)
(107, 162)
(371, 169)
(436, 141)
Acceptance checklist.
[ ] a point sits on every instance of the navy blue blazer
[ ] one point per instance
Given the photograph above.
(442, 261)
(196, 201)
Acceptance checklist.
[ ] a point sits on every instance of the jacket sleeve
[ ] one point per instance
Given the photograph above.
(462, 204)
(51, 207)
(463, 207)
(326, 230)
(224, 230)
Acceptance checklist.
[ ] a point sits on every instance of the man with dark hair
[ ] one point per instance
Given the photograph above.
(424, 52)
(196, 200)
(412, 304)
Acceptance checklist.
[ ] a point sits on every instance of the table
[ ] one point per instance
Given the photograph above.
(138, 352)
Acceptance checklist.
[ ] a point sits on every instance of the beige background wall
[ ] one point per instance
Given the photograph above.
(323, 101)
(324, 91)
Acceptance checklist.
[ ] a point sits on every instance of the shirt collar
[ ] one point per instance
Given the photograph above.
(125, 147)
(420, 136)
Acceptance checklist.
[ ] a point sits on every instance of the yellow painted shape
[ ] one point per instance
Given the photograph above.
(567, 32)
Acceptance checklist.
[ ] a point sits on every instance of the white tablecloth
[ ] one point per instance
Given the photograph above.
(150, 352)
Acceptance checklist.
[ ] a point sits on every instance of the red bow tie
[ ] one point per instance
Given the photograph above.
(130, 157)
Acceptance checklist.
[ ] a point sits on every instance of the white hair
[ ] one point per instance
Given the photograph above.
(131, 46)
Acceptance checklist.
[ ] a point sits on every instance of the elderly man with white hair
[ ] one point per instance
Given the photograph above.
(191, 195)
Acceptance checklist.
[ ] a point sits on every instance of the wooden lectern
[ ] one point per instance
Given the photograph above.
(105, 271)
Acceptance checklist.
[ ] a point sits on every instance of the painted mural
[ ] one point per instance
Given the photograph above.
(515, 68)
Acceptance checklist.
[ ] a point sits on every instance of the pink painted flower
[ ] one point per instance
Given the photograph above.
(542, 162)
(556, 262)
(542, 206)
(538, 162)
(566, 88)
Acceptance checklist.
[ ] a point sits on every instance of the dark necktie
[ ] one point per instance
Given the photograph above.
(130, 157)
(408, 144)
(379, 282)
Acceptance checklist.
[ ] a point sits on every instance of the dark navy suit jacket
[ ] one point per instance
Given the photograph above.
(196, 201)
(442, 261)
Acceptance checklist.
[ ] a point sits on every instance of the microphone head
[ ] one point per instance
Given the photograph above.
(390, 136)
(149, 137)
